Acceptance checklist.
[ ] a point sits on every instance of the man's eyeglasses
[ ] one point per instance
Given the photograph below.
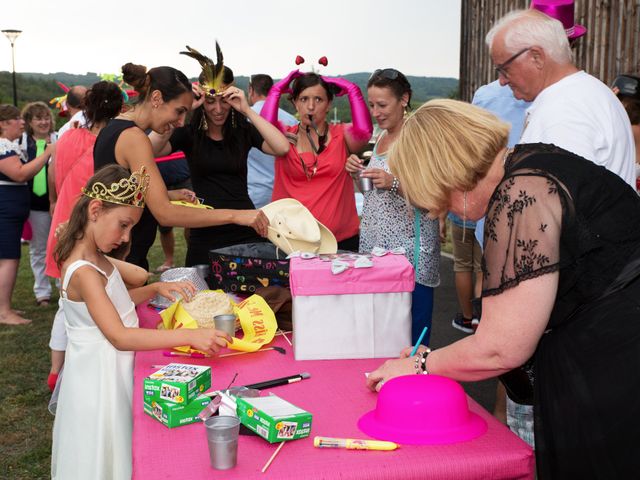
(388, 73)
(502, 68)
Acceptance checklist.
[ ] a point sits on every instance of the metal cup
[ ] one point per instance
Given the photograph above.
(203, 270)
(222, 438)
(226, 323)
(365, 184)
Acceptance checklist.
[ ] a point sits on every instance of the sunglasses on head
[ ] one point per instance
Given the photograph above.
(388, 73)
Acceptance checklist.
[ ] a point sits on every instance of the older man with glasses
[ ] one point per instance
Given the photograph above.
(570, 109)
(511, 105)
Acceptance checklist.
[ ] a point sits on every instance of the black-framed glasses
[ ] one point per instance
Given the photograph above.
(501, 69)
(388, 73)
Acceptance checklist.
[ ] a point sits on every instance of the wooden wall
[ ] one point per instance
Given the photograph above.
(610, 46)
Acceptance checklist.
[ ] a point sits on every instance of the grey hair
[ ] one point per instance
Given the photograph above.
(528, 28)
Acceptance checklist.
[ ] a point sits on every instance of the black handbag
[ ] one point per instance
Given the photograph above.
(519, 383)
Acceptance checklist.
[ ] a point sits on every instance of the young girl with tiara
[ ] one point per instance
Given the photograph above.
(92, 428)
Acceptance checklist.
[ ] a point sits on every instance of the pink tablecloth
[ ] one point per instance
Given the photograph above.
(336, 396)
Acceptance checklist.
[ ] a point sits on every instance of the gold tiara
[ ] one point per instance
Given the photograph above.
(213, 73)
(127, 191)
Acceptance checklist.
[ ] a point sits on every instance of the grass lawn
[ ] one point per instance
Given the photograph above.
(25, 422)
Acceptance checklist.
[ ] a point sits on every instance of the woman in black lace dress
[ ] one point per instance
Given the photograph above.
(561, 282)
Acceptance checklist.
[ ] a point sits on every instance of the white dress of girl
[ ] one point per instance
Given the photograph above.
(92, 428)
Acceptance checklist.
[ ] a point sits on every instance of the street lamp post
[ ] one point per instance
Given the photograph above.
(12, 35)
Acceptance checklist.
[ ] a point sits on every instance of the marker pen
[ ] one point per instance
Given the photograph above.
(353, 444)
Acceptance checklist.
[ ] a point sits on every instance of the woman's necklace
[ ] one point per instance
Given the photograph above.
(310, 172)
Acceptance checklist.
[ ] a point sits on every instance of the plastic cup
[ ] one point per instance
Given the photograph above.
(365, 184)
(226, 323)
(222, 438)
(243, 392)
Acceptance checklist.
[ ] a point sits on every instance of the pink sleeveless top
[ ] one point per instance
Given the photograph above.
(73, 167)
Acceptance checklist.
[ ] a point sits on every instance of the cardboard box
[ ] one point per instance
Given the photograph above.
(175, 415)
(273, 418)
(359, 313)
(177, 383)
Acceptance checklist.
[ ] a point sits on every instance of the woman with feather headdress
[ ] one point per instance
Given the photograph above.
(216, 143)
(164, 97)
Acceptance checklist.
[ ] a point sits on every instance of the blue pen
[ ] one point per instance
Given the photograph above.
(415, 347)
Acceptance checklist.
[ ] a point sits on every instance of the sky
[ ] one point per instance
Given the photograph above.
(417, 37)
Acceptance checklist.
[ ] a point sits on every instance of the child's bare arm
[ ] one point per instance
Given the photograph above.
(89, 285)
(167, 289)
(133, 275)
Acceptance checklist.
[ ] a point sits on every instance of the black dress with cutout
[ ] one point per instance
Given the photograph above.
(555, 211)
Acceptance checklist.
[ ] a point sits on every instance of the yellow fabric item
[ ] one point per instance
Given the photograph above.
(182, 203)
(257, 320)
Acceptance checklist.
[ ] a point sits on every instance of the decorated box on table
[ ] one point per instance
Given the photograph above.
(174, 414)
(177, 383)
(273, 418)
(357, 313)
(244, 268)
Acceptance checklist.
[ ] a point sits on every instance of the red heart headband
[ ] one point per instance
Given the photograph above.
(322, 61)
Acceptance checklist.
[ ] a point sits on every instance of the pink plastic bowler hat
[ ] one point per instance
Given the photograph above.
(561, 10)
(422, 410)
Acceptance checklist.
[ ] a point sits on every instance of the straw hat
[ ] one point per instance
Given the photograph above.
(293, 228)
(422, 410)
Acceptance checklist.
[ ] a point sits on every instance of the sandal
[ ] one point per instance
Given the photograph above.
(43, 302)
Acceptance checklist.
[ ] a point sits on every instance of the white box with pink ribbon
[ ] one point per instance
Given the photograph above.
(358, 313)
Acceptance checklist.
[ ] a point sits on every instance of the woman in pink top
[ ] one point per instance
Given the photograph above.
(74, 157)
(313, 171)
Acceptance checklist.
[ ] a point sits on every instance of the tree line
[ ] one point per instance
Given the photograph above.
(42, 86)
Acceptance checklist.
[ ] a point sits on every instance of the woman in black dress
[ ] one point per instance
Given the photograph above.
(216, 143)
(165, 98)
(561, 283)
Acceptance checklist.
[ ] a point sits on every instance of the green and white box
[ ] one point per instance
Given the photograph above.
(173, 414)
(177, 383)
(273, 418)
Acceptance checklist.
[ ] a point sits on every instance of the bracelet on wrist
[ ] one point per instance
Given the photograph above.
(420, 362)
(395, 184)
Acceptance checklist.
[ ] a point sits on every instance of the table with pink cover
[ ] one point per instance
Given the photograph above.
(336, 395)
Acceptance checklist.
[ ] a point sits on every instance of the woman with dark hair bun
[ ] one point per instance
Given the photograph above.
(216, 143)
(313, 170)
(164, 98)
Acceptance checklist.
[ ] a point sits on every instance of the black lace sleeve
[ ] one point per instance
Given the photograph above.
(522, 232)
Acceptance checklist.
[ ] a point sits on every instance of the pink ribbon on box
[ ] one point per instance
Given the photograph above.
(390, 274)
